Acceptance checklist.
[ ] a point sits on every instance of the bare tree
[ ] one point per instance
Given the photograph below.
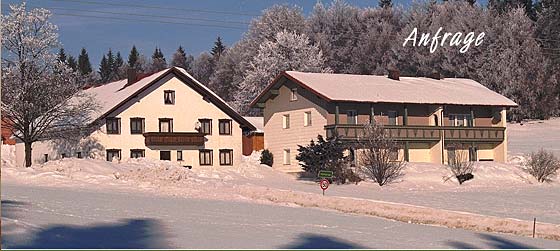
(41, 99)
(379, 157)
(543, 165)
(460, 164)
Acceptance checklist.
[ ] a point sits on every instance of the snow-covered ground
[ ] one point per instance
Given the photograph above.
(501, 197)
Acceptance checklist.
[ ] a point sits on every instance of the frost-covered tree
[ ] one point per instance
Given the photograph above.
(288, 51)
(335, 29)
(40, 97)
(158, 61)
(228, 73)
(203, 67)
(180, 59)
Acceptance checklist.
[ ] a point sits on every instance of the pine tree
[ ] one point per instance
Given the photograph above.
(104, 70)
(62, 56)
(158, 61)
(180, 59)
(118, 62)
(71, 62)
(84, 65)
(218, 48)
(385, 3)
(133, 58)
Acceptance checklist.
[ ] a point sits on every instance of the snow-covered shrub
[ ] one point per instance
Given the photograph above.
(267, 158)
(378, 160)
(543, 165)
(460, 164)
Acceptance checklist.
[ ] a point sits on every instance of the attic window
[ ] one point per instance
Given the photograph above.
(293, 95)
(169, 97)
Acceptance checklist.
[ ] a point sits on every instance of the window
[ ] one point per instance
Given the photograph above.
(46, 157)
(169, 97)
(136, 125)
(461, 120)
(473, 153)
(225, 126)
(113, 154)
(79, 155)
(137, 153)
(226, 157)
(179, 155)
(113, 125)
(351, 117)
(164, 155)
(205, 126)
(286, 121)
(394, 154)
(293, 94)
(205, 157)
(307, 119)
(286, 156)
(165, 125)
(451, 155)
(392, 117)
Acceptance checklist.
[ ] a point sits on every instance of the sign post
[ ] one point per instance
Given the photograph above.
(324, 185)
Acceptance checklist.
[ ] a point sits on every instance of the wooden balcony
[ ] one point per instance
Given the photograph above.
(422, 133)
(174, 139)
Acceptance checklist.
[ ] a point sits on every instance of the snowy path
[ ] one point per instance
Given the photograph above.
(71, 218)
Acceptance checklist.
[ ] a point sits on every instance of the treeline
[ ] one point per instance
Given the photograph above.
(519, 58)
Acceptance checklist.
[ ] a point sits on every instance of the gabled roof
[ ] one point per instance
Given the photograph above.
(381, 89)
(115, 94)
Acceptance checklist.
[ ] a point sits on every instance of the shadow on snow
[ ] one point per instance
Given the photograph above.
(494, 242)
(316, 241)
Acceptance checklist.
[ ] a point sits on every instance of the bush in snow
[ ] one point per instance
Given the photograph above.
(379, 160)
(266, 157)
(460, 164)
(543, 165)
(326, 155)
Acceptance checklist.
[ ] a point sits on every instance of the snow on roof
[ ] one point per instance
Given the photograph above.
(258, 122)
(111, 95)
(414, 90)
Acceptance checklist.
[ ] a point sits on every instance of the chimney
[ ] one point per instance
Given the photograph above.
(435, 75)
(131, 73)
(394, 74)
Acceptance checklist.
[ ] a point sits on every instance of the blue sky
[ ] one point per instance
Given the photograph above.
(119, 24)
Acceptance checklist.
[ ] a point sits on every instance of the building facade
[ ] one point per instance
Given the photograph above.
(431, 118)
(167, 115)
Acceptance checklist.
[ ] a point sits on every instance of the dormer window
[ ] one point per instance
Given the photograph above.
(169, 97)
(293, 95)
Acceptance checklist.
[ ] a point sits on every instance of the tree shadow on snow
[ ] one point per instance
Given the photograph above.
(493, 242)
(128, 233)
(315, 241)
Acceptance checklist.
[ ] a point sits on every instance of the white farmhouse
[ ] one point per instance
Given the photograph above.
(167, 115)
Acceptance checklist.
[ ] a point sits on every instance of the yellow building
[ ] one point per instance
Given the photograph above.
(167, 115)
(430, 117)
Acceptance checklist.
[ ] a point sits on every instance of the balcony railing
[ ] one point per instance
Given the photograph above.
(422, 133)
(174, 139)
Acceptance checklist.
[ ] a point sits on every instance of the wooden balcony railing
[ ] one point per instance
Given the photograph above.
(422, 133)
(174, 139)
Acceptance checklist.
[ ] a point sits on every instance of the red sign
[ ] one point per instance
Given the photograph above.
(324, 184)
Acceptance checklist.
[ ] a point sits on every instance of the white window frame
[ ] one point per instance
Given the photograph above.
(293, 94)
(286, 121)
(307, 121)
(286, 157)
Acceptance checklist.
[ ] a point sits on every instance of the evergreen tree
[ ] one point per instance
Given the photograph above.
(71, 62)
(84, 65)
(158, 61)
(118, 62)
(385, 3)
(218, 48)
(104, 70)
(133, 58)
(180, 59)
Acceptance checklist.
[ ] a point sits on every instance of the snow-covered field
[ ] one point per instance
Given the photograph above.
(501, 198)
